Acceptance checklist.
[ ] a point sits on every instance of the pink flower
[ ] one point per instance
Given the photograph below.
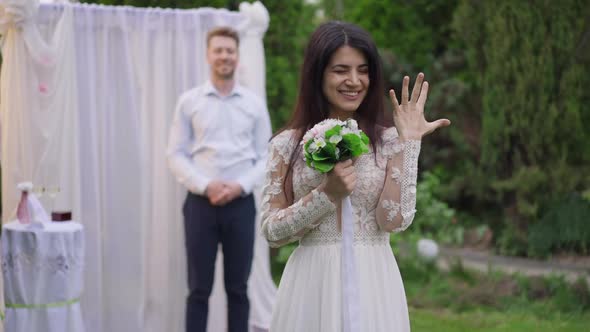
(43, 88)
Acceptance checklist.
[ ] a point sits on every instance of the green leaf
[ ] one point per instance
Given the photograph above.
(325, 154)
(355, 144)
(323, 167)
(308, 158)
(364, 138)
(351, 140)
(329, 151)
(319, 157)
(334, 131)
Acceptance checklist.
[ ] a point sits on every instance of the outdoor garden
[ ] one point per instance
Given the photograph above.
(509, 178)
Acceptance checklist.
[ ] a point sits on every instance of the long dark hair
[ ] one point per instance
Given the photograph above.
(312, 106)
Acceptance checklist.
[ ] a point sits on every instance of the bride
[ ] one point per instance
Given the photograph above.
(341, 78)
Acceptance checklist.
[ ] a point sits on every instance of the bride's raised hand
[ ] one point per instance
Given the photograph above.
(409, 115)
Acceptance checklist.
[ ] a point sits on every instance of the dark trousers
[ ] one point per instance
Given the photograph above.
(205, 227)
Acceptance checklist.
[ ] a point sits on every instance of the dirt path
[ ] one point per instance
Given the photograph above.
(570, 268)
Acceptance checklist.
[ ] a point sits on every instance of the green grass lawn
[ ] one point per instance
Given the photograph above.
(427, 320)
(462, 300)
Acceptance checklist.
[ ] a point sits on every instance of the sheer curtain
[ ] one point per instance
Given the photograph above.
(87, 105)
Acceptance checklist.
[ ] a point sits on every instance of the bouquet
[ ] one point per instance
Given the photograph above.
(332, 141)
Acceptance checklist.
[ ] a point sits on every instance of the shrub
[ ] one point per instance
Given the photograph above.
(564, 226)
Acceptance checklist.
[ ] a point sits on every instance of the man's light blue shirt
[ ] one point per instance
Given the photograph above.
(219, 137)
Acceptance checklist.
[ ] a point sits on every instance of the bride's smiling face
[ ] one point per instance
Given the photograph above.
(345, 81)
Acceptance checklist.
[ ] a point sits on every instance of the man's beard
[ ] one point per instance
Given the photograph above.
(225, 75)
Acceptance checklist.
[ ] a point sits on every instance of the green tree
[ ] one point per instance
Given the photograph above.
(531, 65)
(291, 23)
(416, 31)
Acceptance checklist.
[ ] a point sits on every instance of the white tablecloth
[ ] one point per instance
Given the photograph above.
(43, 273)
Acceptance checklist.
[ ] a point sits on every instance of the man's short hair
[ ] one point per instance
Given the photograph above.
(223, 32)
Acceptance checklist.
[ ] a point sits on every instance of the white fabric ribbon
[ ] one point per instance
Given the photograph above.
(252, 30)
(16, 13)
(20, 15)
(350, 287)
(257, 20)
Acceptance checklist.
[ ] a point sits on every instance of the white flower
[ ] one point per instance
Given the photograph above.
(335, 139)
(351, 123)
(345, 131)
(310, 134)
(326, 125)
(313, 147)
(319, 142)
(25, 186)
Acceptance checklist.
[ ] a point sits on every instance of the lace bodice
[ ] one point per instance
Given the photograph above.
(383, 200)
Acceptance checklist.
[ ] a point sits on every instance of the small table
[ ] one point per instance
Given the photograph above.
(43, 277)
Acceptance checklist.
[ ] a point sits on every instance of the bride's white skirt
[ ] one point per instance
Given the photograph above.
(310, 291)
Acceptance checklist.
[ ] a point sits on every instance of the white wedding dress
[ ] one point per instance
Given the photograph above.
(384, 199)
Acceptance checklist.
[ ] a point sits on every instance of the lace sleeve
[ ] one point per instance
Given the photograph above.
(397, 204)
(284, 221)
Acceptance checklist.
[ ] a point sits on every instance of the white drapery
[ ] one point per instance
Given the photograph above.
(87, 105)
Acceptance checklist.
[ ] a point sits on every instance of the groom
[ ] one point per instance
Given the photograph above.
(217, 149)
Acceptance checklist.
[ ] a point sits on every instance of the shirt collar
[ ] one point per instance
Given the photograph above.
(210, 89)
